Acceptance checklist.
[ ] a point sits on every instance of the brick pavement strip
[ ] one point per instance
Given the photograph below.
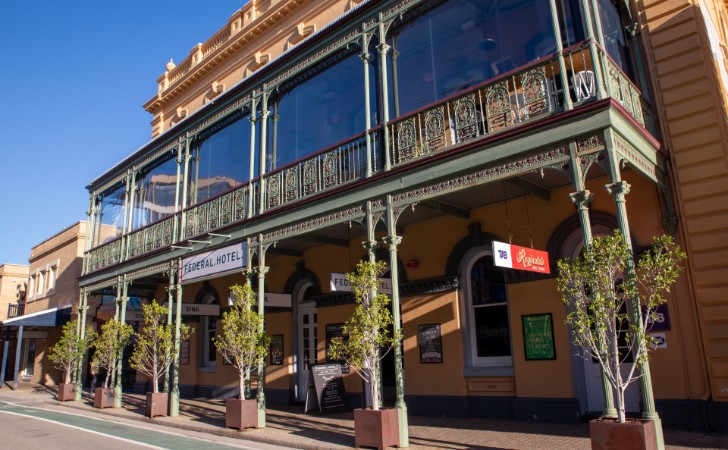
(286, 426)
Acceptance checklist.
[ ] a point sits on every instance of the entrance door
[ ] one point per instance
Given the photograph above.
(307, 345)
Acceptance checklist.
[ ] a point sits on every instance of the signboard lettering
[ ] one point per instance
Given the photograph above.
(339, 283)
(223, 259)
(196, 309)
(520, 258)
(538, 336)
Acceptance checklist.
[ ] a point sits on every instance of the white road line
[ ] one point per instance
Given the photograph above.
(132, 425)
(83, 429)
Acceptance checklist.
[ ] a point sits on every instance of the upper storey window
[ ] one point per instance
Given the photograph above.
(111, 213)
(326, 108)
(155, 193)
(220, 162)
(461, 43)
(615, 37)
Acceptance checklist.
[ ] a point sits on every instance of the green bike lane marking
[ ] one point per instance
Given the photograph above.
(107, 427)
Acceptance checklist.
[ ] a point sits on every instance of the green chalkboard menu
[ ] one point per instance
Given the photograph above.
(538, 336)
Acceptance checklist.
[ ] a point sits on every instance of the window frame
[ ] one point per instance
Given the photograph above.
(475, 365)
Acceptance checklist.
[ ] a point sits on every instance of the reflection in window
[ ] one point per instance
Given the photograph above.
(220, 162)
(111, 212)
(155, 194)
(321, 111)
(490, 310)
(462, 43)
(613, 31)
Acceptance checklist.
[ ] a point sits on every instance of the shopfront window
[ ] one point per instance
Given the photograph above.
(321, 111)
(488, 325)
(462, 43)
(155, 193)
(220, 162)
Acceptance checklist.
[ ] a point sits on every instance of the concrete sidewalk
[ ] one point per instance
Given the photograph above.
(288, 426)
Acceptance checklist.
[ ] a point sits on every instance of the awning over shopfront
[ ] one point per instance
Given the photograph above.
(47, 318)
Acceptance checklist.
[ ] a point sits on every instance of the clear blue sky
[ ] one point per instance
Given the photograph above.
(74, 75)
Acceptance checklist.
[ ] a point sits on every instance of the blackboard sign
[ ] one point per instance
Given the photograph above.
(430, 341)
(335, 331)
(326, 383)
(538, 336)
(276, 350)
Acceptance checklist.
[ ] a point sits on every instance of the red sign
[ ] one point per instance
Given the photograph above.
(520, 258)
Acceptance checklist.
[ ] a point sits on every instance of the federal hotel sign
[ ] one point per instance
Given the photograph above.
(221, 261)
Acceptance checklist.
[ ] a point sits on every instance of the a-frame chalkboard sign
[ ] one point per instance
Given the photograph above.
(325, 389)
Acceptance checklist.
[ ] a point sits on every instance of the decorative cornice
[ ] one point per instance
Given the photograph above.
(100, 285)
(343, 216)
(141, 273)
(492, 172)
(628, 154)
(429, 286)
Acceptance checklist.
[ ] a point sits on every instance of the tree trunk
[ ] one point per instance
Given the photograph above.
(241, 382)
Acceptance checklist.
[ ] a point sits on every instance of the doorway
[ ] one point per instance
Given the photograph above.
(307, 352)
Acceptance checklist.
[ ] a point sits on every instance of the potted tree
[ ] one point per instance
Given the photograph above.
(154, 353)
(109, 345)
(369, 339)
(67, 355)
(243, 343)
(604, 290)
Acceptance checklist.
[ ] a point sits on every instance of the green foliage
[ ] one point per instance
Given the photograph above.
(154, 348)
(70, 349)
(368, 328)
(241, 338)
(600, 286)
(109, 345)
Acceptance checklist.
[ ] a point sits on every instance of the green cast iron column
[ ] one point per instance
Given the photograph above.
(581, 199)
(170, 305)
(383, 49)
(393, 241)
(82, 308)
(174, 404)
(618, 189)
(371, 246)
(262, 270)
(180, 160)
(122, 320)
(367, 107)
(560, 52)
(251, 191)
(593, 51)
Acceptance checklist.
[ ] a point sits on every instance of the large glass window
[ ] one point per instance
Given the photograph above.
(220, 162)
(464, 42)
(319, 112)
(488, 325)
(155, 194)
(613, 31)
(111, 213)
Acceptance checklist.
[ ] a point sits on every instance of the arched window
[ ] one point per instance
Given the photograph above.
(485, 302)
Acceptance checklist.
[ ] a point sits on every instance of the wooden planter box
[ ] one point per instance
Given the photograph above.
(66, 392)
(241, 414)
(157, 404)
(634, 434)
(104, 398)
(379, 429)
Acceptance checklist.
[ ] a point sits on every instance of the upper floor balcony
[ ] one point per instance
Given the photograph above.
(299, 124)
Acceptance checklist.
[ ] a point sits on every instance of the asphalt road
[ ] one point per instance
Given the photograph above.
(24, 425)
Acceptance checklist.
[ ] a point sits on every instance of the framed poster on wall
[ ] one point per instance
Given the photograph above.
(276, 350)
(429, 339)
(184, 353)
(538, 337)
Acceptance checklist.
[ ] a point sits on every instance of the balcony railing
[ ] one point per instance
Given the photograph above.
(15, 310)
(521, 96)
